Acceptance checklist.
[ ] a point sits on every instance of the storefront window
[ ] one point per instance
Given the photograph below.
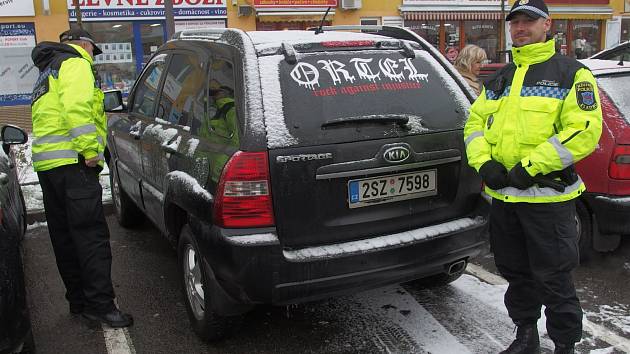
(451, 35)
(116, 66)
(559, 31)
(586, 38)
(625, 29)
(152, 37)
(484, 34)
(429, 30)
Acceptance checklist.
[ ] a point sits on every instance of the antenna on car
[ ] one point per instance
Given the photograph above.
(320, 29)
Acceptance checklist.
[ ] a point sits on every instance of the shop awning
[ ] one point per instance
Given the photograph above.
(293, 16)
(581, 12)
(451, 15)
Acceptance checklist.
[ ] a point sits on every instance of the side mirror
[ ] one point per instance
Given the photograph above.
(12, 135)
(113, 101)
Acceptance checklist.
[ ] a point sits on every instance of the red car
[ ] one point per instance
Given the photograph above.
(604, 210)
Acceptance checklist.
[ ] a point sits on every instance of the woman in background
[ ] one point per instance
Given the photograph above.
(468, 63)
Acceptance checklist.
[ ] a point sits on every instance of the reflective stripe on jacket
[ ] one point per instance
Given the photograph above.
(67, 107)
(542, 110)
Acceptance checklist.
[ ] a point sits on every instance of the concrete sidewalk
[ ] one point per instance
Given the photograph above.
(38, 215)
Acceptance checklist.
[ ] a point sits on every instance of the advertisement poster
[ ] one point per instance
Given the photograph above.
(16, 8)
(99, 10)
(17, 71)
(295, 3)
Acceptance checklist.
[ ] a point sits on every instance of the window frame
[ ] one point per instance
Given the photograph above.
(205, 67)
(158, 58)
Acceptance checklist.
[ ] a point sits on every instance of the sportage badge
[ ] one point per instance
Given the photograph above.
(396, 154)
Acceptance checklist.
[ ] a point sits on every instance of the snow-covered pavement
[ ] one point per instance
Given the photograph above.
(468, 316)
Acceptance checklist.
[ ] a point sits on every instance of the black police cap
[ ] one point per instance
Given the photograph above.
(79, 34)
(532, 8)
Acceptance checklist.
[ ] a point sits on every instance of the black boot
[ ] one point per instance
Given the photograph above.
(564, 348)
(114, 318)
(526, 342)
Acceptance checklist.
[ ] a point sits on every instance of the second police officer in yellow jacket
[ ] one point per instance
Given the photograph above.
(533, 121)
(69, 127)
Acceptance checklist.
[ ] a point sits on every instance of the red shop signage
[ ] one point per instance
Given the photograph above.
(295, 3)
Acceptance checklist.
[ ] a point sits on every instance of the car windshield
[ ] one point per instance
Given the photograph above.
(616, 88)
(351, 96)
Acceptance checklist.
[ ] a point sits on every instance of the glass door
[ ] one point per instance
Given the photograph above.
(149, 36)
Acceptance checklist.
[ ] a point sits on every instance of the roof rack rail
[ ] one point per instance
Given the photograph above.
(208, 33)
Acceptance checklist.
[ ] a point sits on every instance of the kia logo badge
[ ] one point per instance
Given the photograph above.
(396, 154)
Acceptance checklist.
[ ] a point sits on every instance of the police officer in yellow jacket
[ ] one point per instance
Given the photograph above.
(69, 128)
(533, 121)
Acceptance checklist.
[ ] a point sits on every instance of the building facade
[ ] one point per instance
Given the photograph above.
(449, 25)
(129, 31)
(23, 24)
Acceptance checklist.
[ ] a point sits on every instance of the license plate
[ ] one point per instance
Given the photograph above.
(386, 189)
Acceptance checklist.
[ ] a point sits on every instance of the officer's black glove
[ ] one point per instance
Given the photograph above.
(520, 178)
(494, 175)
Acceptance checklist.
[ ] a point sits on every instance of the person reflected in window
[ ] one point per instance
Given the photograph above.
(221, 117)
(580, 45)
(468, 63)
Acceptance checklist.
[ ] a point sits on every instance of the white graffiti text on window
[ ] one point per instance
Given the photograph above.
(305, 75)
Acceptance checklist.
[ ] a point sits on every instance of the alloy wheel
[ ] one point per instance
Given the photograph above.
(193, 282)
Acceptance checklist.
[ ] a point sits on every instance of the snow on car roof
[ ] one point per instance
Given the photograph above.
(271, 39)
(261, 37)
(600, 67)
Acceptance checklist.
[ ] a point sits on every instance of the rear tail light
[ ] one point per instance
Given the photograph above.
(620, 164)
(244, 192)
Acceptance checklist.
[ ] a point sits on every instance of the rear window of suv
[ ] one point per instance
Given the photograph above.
(334, 97)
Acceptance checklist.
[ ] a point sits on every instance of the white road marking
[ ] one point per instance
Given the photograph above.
(594, 329)
(423, 328)
(117, 340)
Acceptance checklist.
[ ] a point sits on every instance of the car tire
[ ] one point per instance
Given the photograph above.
(207, 324)
(127, 212)
(584, 231)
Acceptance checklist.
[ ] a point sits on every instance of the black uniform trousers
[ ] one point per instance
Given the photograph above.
(535, 249)
(79, 234)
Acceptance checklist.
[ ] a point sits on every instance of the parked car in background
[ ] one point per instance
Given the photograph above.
(620, 52)
(604, 209)
(291, 166)
(16, 335)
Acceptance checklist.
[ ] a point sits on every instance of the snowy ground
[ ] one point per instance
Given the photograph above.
(464, 318)
(30, 184)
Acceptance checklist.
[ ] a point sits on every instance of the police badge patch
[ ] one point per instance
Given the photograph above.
(585, 96)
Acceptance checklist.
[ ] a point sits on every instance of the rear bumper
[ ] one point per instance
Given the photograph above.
(256, 269)
(611, 212)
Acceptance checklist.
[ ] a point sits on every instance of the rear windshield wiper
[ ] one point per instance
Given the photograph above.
(378, 119)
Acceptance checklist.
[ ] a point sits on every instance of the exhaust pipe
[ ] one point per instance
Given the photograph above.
(457, 267)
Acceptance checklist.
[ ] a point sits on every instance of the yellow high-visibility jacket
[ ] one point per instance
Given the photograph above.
(67, 107)
(542, 110)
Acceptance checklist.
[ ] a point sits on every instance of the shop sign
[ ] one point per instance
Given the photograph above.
(16, 8)
(452, 2)
(193, 25)
(17, 71)
(99, 10)
(295, 3)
